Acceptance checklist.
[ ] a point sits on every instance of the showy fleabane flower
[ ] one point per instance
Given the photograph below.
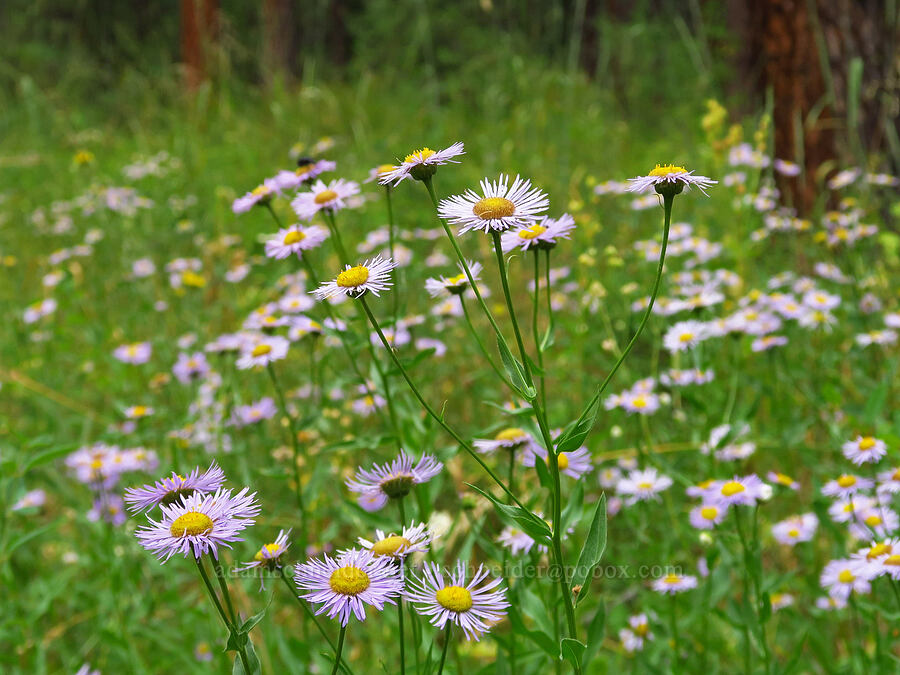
(294, 240)
(134, 353)
(499, 207)
(412, 539)
(795, 529)
(574, 464)
(306, 170)
(455, 285)
(269, 557)
(169, 490)
(846, 485)
(474, 609)
(741, 490)
(643, 485)
(190, 367)
(262, 351)
(670, 180)
(674, 583)
(199, 523)
(543, 235)
(344, 585)
(637, 632)
(370, 276)
(420, 165)
(331, 197)
(707, 516)
(392, 480)
(261, 194)
(512, 438)
(864, 449)
(842, 577)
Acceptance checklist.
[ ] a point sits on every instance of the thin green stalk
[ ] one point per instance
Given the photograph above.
(340, 648)
(232, 628)
(463, 263)
(447, 634)
(501, 263)
(673, 616)
(534, 324)
(295, 444)
(480, 343)
(336, 239)
(312, 616)
(437, 418)
(223, 585)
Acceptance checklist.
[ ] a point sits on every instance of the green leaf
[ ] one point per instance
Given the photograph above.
(525, 520)
(572, 651)
(28, 536)
(252, 662)
(248, 625)
(572, 511)
(543, 473)
(48, 456)
(592, 551)
(515, 371)
(541, 639)
(573, 437)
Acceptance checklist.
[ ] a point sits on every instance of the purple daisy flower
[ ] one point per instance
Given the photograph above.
(199, 524)
(473, 609)
(344, 585)
(269, 557)
(393, 480)
(170, 490)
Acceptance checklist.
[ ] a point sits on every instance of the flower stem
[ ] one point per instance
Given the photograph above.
(223, 585)
(480, 343)
(438, 418)
(336, 237)
(447, 635)
(337, 652)
(230, 624)
(501, 263)
(295, 444)
(534, 322)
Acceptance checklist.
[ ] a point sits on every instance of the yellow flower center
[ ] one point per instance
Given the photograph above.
(866, 443)
(532, 232)
(261, 350)
(353, 277)
(261, 191)
(511, 434)
(270, 549)
(293, 237)
(390, 545)
(784, 479)
(732, 488)
(96, 464)
(793, 534)
(639, 402)
(191, 524)
(641, 630)
(646, 485)
(325, 196)
(893, 560)
(685, 337)
(454, 598)
(562, 461)
(457, 280)
(384, 168)
(896, 475)
(139, 411)
(666, 169)
(490, 208)
(846, 577)
(189, 278)
(349, 580)
(846, 481)
(419, 156)
(877, 550)
(873, 520)
(672, 579)
(709, 512)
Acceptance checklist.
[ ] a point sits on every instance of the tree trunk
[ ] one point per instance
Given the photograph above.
(198, 31)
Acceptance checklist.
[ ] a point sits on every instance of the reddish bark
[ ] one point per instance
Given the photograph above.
(198, 32)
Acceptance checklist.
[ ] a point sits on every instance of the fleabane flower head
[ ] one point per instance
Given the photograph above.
(455, 285)
(370, 276)
(346, 584)
(538, 236)
(170, 490)
(499, 207)
(741, 490)
(306, 170)
(294, 240)
(331, 197)
(474, 609)
(864, 449)
(795, 529)
(261, 351)
(412, 539)
(574, 464)
(420, 165)
(674, 583)
(261, 194)
(269, 557)
(843, 577)
(393, 480)
(669, 180)
(643, 485)
(199, 523)
(511, 438)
